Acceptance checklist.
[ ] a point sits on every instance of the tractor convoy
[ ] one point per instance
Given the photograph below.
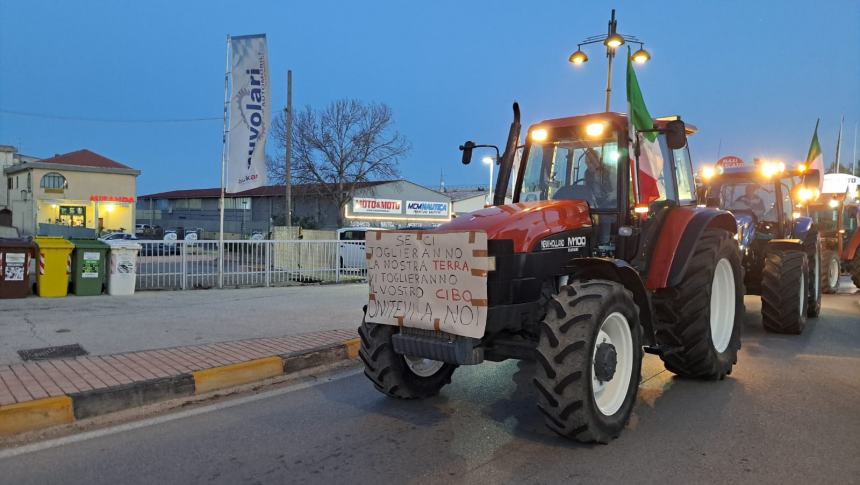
(603, 255)
(781, 248)
(609, 250)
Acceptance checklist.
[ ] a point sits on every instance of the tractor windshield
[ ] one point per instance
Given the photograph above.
(750, 197)
(573, 169)
(824, 217)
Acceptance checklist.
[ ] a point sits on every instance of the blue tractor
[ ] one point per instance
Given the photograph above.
(780, 246)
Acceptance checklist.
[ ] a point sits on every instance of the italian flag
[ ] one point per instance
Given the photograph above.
(814, 159)
(650, 156)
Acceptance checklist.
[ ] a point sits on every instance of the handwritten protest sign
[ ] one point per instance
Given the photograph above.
(430, 280)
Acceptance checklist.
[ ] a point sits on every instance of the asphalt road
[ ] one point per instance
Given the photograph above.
(789, 413)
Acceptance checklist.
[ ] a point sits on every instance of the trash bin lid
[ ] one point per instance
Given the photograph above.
(16, 243)
(123, 244)
(88, 244)
(53, 242)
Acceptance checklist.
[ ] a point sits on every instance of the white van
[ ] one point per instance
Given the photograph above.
(351, 246)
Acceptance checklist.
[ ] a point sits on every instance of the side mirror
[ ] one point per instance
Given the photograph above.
(676, 134)
(467, 151)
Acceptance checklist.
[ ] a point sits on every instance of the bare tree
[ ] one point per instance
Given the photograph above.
(337, 148)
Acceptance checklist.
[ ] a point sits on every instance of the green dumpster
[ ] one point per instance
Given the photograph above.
(89, 267)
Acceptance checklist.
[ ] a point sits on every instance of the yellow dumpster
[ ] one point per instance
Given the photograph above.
(54, 266)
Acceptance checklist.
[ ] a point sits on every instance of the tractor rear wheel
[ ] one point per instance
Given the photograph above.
(398, 375)
(784, 292)
(699, 321)
(830, 272)
(812, 247)
(589, 359)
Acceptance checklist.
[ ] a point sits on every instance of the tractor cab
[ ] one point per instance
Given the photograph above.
(836, 214)
(767, 200)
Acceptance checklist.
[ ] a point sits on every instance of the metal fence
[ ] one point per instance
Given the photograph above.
(185, 265)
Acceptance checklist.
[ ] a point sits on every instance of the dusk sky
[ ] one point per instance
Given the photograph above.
(752, 74)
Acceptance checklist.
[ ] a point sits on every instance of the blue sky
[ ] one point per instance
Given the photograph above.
(754, 75)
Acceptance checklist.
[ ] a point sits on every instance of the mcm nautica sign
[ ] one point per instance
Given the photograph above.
(249, 113)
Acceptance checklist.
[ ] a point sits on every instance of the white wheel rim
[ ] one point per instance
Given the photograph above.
(833, 272)
(722, 305)
(422, 367)
(802, 297)
(610, 395)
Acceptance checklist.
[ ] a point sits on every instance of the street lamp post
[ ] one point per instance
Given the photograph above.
(612, 40)
(490, 161)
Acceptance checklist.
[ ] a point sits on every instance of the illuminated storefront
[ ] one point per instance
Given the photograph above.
(72, 194)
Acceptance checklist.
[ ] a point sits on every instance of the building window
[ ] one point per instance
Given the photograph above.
(53, 181)
(9, 183)
(237, 203)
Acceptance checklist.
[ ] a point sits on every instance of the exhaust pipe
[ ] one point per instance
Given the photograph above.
(507, 162)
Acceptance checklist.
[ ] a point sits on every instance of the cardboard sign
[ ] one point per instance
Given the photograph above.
(429, 280)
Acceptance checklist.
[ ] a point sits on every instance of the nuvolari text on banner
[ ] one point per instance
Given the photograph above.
(249, 113)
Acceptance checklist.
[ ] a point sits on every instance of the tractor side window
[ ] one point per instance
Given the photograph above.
(684, 176)
(787, 206)
(655, 179)
(849, 220)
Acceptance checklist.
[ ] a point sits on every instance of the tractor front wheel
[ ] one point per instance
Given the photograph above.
(397, 375)
(830, 272)
(854, 269)
(699, 321)
(589, 359)
(784, 292)
(812, 246)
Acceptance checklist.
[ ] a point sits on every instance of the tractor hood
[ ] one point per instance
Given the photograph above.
(524, 223)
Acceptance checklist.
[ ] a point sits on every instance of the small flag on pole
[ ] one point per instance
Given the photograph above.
(814, 159)
(650, 156)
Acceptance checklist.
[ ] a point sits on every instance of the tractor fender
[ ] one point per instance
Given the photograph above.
(851, 247)
(620, 271)
(679, 235)
(785, 244)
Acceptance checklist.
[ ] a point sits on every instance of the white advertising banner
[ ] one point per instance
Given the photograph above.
(363, 205)
(249, 113)
(425, 208)
(429, 280)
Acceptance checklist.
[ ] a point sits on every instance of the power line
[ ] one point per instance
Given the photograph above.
(106, 120)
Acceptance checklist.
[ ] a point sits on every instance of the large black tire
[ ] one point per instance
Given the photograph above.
(696, 344)
(830, 271)
(566, 359)
(812, 247)
(854, 269)
(388, 370)
(783, 301)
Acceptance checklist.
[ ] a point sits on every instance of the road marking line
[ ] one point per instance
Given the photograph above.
(144, 423)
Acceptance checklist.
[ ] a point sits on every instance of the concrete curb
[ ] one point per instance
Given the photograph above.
(44, 413)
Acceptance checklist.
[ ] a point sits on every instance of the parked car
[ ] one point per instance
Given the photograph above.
(351, 246)
(115, 236)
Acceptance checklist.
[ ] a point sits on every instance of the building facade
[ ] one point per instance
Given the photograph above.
(75, 194)
(391, 204)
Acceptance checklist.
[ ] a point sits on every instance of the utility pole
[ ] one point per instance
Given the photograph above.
(288, 156)
(839, 144)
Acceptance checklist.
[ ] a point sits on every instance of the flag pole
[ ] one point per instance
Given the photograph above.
(839, 144)
(225, 132)
(288, 155)
(854, 153)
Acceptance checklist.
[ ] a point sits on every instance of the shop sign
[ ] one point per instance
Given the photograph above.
(112, 198)
(424, 208)
(376, 206)
(66, 210)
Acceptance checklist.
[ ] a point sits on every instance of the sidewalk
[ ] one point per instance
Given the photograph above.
(35, 395)
(157, 319)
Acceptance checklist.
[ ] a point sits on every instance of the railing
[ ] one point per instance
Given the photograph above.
(185, 265)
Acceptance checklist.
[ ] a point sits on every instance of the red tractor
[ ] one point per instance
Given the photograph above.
(837, 215)
(581, 273)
